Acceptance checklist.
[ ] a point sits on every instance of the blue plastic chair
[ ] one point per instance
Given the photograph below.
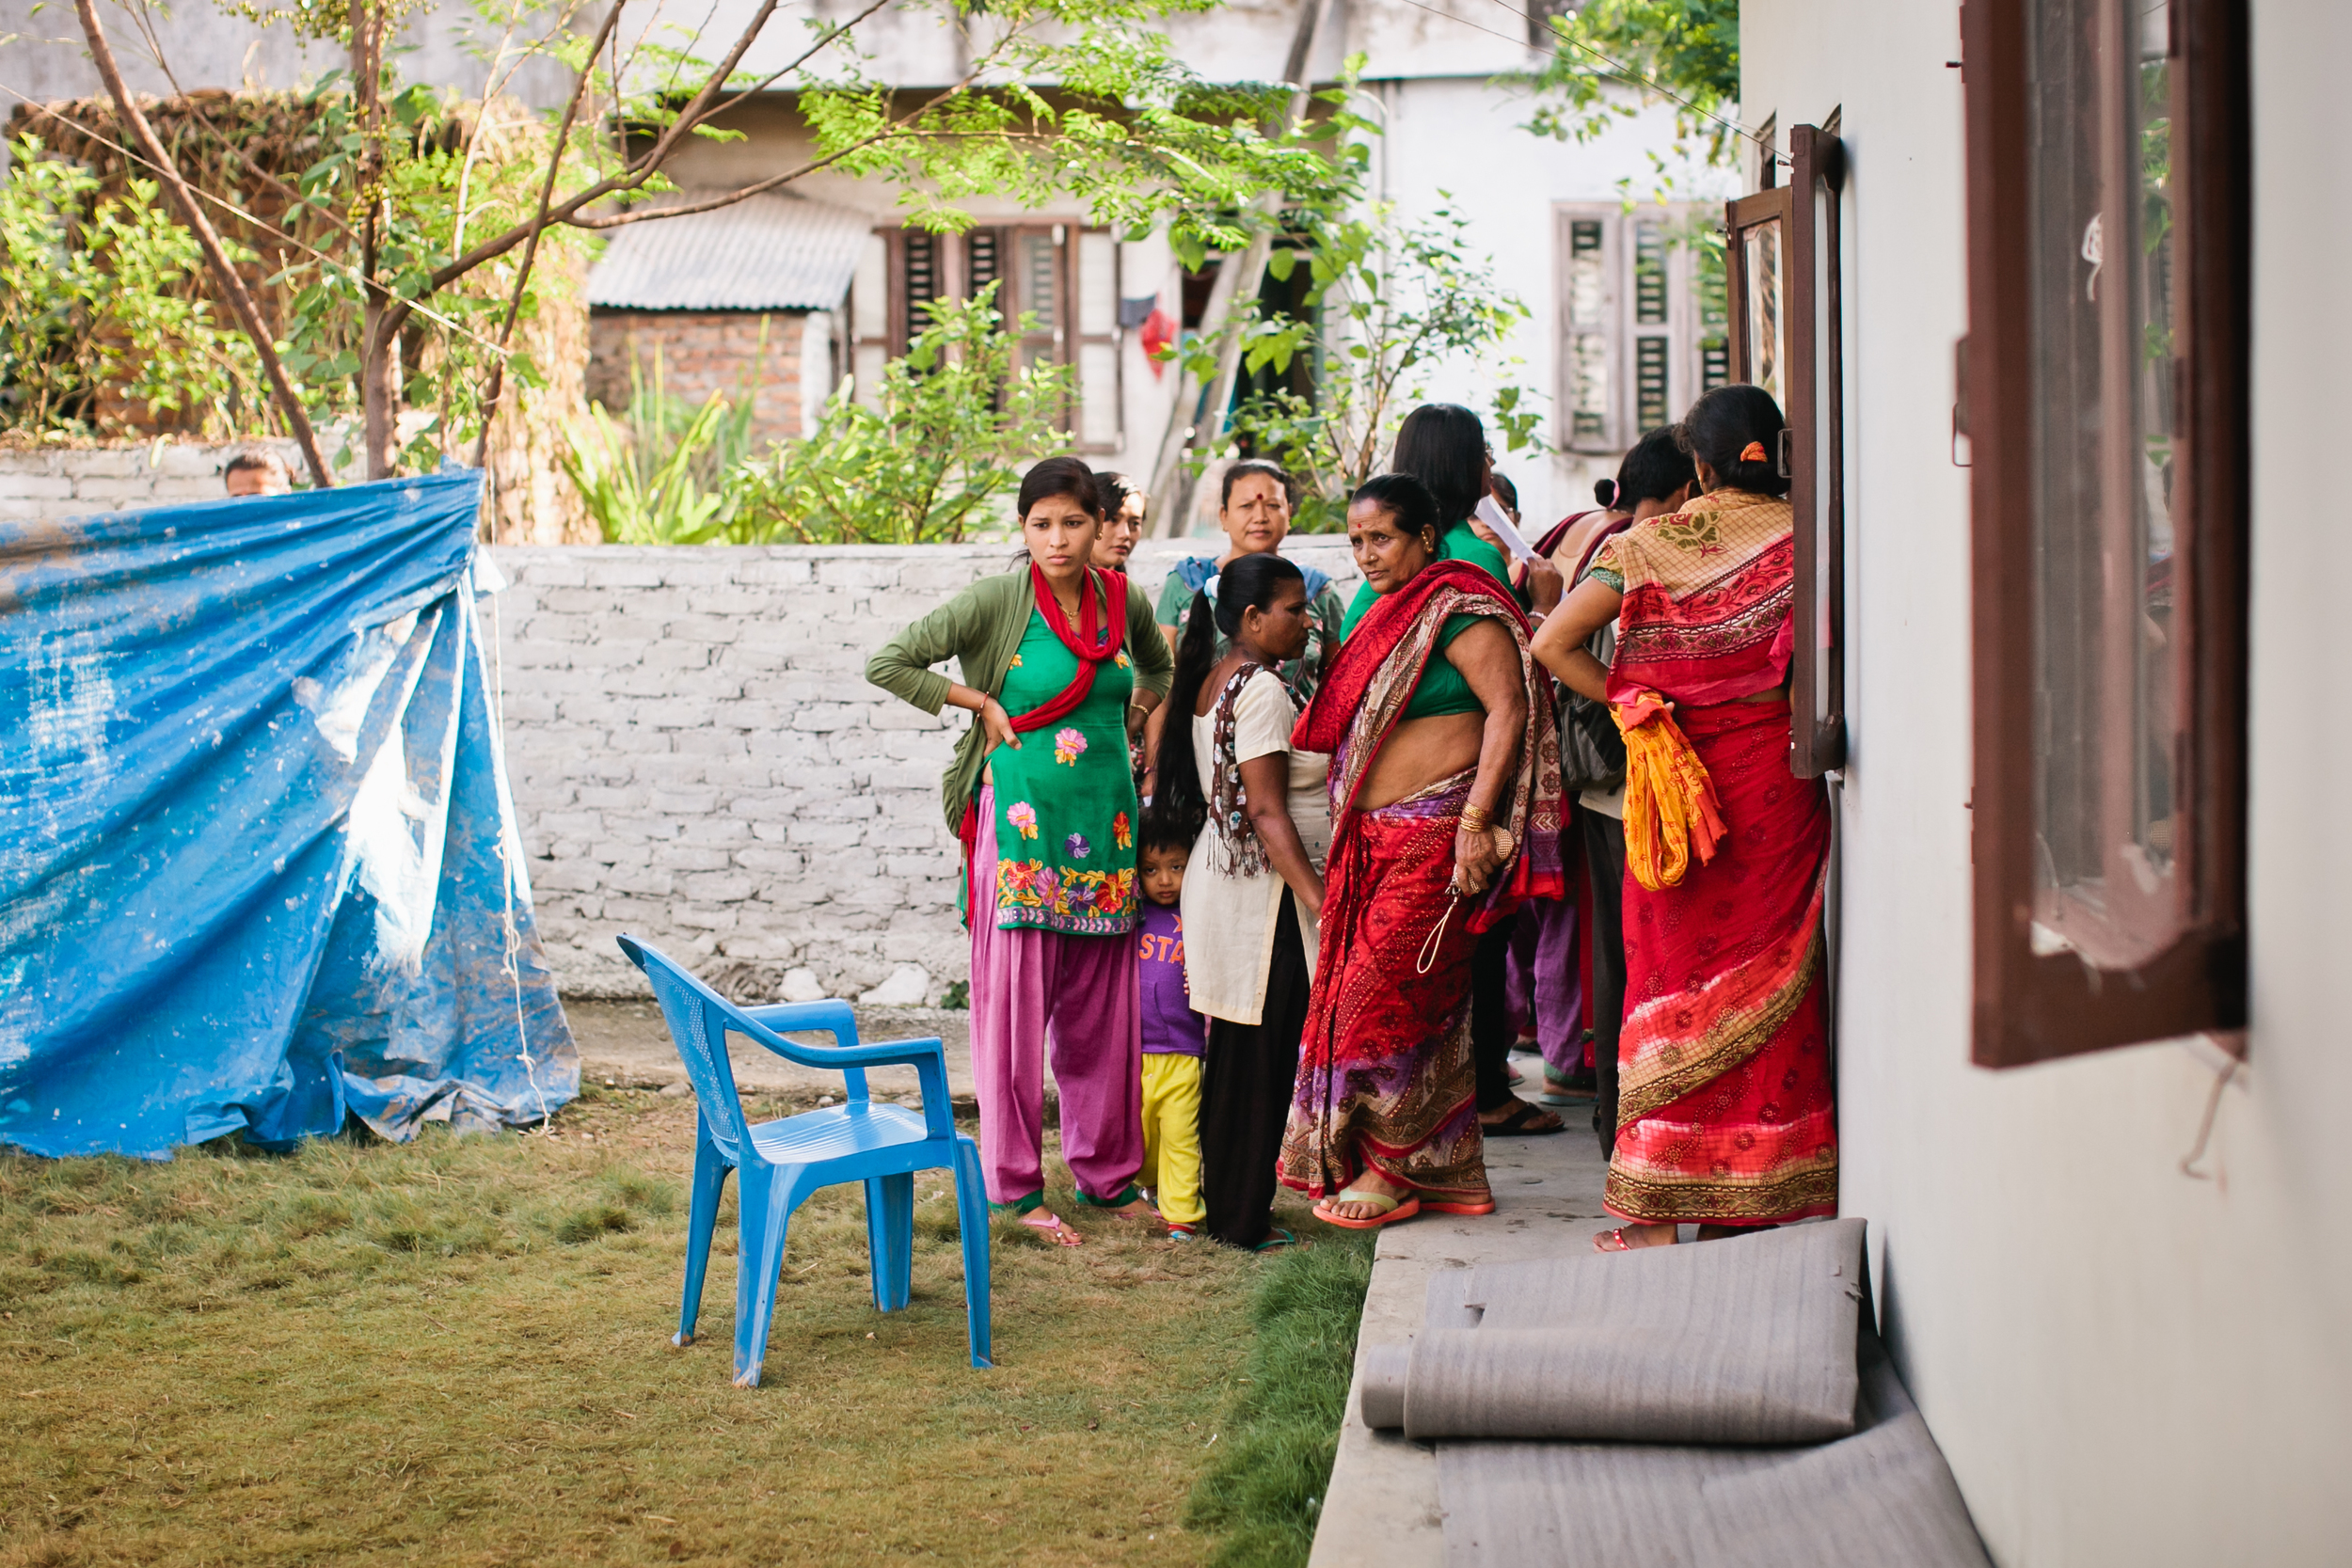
(784, 1161)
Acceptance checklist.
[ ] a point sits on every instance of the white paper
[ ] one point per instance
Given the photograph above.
(1494, 517)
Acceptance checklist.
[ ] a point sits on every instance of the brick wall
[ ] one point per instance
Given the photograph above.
(702, 352)
(36, 486)
(697, 758)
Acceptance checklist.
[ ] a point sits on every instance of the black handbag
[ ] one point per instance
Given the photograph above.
(1591, 752)
(1592, 749)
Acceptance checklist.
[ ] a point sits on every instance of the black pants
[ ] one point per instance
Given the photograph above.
(1247, 1076)
(1491, 1034)
(1604, 856)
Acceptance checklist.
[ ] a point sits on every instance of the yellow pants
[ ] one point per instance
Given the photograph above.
(1171, 1135)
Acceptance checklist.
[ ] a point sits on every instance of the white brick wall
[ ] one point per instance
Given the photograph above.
(37, 486)
(697, 759)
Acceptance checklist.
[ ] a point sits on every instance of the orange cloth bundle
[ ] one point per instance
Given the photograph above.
(1670, 801)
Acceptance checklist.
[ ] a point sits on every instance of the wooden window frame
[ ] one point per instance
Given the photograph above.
(955, 273)
(2032, 1005)
(1812, 376)
(1620, 329)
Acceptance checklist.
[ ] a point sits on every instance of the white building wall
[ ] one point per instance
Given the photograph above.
(2124, 1364)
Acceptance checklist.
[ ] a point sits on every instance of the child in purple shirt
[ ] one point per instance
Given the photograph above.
(1173, 1035)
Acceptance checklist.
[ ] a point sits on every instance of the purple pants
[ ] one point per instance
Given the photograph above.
(1085, 988)
(1543, 979)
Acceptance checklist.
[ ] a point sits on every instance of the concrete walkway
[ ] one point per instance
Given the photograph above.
(1381, 1507)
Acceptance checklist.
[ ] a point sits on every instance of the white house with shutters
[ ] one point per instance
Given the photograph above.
(1616, 341)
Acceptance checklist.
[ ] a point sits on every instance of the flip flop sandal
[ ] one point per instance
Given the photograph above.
(1458, 1206)
(1275, 1241)
(1560, 1088)
(1054, 1229)
(1516, 1124)
(1398, 1209)
(1613, 1240)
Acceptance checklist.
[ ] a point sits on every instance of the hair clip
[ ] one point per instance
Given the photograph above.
(1752, 452)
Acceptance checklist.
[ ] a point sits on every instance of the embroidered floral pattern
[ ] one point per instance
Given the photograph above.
(1016, 661)
(1120, 659)
(1123, 832)
(1078, 847)
(1069, 746)
(1089, 902)
(1023, 816)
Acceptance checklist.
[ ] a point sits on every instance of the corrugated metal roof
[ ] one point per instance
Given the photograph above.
(765, 252)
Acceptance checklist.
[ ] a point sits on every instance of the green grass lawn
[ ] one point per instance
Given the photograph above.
(457, 1351)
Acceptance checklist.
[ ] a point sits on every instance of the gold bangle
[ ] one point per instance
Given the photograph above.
(1476, 819)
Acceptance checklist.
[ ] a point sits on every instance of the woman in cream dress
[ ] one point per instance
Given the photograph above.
(1255, 885)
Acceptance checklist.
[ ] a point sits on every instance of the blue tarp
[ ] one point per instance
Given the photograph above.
(258, 858)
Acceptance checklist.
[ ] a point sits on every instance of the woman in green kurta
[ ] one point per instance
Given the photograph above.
(1060, 665)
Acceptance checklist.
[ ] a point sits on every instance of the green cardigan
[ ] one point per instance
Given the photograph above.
(981, 628)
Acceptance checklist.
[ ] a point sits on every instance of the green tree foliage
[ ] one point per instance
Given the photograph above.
(1385, 299)
(1682, 52)
(99, 292)
(417, 213)
(926, 461)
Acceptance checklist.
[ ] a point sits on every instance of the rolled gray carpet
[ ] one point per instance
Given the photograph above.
(1881, 1498)
(1746, 1341)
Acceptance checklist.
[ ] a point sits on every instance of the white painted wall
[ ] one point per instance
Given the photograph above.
(1456, 141)
(2123, 1365)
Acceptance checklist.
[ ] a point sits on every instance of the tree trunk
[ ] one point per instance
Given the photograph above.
(379, 390)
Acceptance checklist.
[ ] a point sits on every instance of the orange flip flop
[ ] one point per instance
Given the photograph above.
(1398, 1209)
(1457, 1205)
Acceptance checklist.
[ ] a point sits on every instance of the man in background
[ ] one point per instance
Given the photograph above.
(258, 473)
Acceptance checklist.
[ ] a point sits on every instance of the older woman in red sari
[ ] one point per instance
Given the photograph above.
(1726, 1112)
(1445, 812)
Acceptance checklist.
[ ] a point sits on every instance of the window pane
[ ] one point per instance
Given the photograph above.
(1650, 274)
(982, 261)
(1649, 381)
(1041, 281)
(1765, 327)
(923, 283)
(2107, 664)
(1587, 347)
(2149, 855)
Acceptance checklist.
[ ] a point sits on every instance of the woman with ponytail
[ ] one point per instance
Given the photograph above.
(1726, 1114)
(1254, 884)
(1060, 664)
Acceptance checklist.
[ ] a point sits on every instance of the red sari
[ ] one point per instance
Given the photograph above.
(1385, 1077)
(1727, 1107)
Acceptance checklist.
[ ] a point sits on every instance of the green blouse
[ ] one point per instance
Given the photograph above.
(1443, 689)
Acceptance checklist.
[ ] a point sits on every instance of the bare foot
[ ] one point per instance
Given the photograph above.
(1633, 1238)
(1372, 1182)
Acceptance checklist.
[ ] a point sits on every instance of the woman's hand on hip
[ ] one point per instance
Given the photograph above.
(998, 723)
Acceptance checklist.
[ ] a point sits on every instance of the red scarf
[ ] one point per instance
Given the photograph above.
(1101, 630)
